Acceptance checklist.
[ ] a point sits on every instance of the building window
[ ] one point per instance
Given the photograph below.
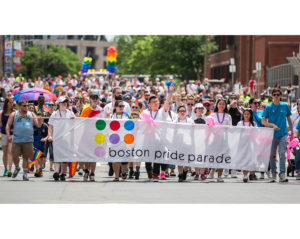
(104, 64)
(105, 51)
(73, 48)
(70, 37)
(220, 72)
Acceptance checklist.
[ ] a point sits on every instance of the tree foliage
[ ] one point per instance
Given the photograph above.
(56, 60)
(151, 54)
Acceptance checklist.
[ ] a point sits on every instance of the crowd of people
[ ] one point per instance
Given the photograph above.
(28, 125)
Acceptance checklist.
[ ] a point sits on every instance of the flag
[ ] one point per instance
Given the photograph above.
(89, 113)
(36, 157)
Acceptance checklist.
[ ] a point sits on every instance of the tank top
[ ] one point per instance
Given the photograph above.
(4, 120)
(23, 128)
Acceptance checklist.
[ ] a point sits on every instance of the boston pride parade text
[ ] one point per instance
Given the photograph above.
(106, 140)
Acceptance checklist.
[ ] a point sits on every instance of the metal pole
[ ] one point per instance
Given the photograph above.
(232, 76)
(258, 77)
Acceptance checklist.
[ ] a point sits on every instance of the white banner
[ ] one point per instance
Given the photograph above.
(105, 140)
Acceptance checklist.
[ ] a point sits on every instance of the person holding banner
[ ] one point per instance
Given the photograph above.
(119, 113)
(92, 111)
(160, 114)
(23, 122)
(62, 112)
(275, 115)
(248, 121)
(220, 117)
(182, 118)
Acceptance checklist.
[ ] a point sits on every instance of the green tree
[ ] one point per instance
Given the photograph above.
(181, 54)
(56, 60)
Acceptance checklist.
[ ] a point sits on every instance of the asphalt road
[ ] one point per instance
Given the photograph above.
(74, 190)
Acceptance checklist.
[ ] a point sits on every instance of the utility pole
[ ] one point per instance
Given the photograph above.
(232, 69)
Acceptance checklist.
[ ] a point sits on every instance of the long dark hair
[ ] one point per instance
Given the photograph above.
(219, 100)
(251, 116)
(5, 106)
(116, 105)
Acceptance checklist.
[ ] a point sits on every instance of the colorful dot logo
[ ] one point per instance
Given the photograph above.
(128, 138)
(100, 124)
(115, 125)
(100, 138)
(99, 151)
(114, 138)
(129, 125)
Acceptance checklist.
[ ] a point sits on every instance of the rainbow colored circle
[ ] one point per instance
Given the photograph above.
(129, 125)
(100, 138)
(99, 151)
(100, 124)
(114, 125)
(114, 138)
(128, 138)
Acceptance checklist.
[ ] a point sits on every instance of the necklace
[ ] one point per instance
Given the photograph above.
(222, 119)
(154, 115)
(244, 123)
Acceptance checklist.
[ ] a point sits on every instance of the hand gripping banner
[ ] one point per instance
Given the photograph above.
(106, 140)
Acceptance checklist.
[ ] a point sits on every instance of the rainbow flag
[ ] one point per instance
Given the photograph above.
(36, 157)
(87, 112)
(72, 168)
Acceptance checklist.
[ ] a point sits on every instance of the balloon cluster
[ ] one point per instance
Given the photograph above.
(292, 143)
(111, 59)
(169, 83)
(86, 65)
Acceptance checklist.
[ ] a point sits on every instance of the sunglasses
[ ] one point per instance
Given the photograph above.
(51, 104)
(182, 111)
(191, 104)
(276, 94)
(25, 105)
(135, 107)
(121, 106)
(256, 103)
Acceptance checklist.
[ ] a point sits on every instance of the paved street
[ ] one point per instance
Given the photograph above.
(45, 190)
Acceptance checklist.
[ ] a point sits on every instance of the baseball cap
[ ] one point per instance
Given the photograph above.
(206, 102)
(94, 96)
(62, 99)
(199, 105)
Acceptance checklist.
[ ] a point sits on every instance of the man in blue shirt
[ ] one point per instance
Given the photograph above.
(275, 115)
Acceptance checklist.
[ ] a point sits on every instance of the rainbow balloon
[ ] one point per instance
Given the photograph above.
(112, 59)
(86, 65)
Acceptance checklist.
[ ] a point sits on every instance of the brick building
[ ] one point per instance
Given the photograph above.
(247, 50)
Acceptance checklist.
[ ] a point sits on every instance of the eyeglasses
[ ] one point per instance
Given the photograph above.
(276, 94)
(135, 107)
(182, 111)
(51, 104)
(25, 105)
(121, 106)
(190, 104)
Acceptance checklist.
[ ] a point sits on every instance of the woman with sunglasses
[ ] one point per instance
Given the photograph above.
(220, 117)
(248, 121)
(49, 145)
(182, 118)
(119, 113)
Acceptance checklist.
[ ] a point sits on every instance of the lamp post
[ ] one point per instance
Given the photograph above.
(232, 69)
(258, 72)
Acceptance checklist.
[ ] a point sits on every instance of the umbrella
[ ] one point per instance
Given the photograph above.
(33, 94)
(16, 90)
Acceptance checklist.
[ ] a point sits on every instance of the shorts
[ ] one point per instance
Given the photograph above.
(4, 141)
(23, 149)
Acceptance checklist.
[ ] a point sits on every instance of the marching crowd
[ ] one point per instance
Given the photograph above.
(28, 125)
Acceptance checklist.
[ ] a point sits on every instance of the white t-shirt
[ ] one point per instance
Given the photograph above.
(248, 124)
(127, 108)
(160, 115)
(60, 114)
(186, 121)
(116, 116)
(219, 121)
(191, 114)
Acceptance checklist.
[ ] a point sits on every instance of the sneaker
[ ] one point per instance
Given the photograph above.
(273, 178)
(5, 173)
(269, 174)
(80, 172)
(172, 174)
(25, 177)
(36, 174)
(155, 178)
(163, 176)
(298, 177)
(137, 175)
(180, 179)
(226, 173)
(15, 174)
(203, 177)
(196, 177)
(262, 176)
(220, 180)
(124, 176)
(245, 179)
(9, 173)
(193, 173)
(211, 174)
(62, 177)
(56, 176)
(86, 175)
(92, 177)
(282, 178)
(233, 174)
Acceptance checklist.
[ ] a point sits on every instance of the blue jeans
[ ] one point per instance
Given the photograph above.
(297, 160)
(280, 142)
